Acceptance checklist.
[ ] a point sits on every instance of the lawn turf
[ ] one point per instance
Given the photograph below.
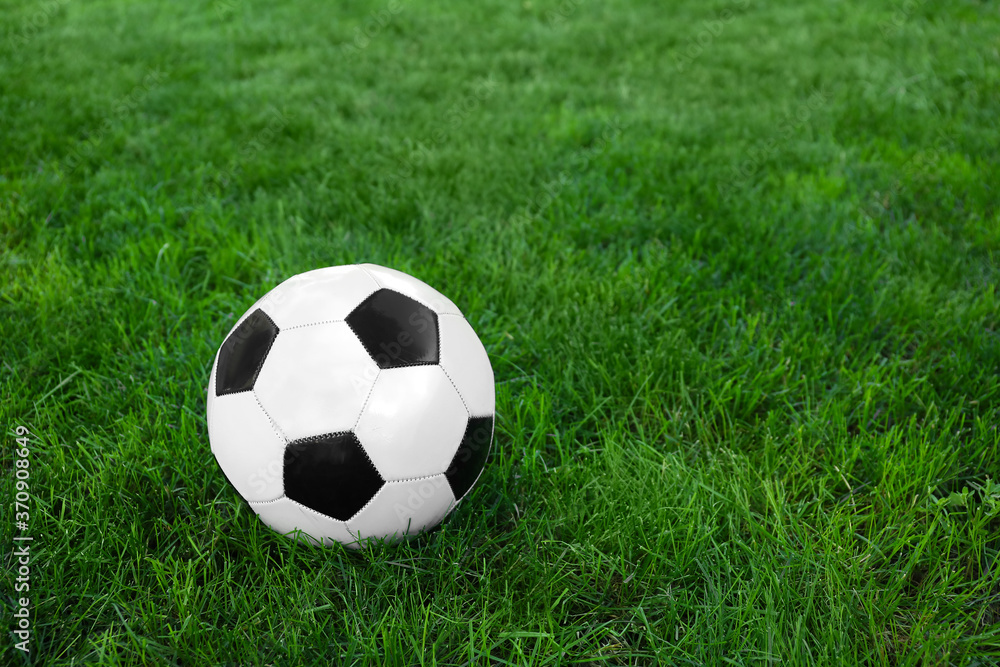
(735, 264)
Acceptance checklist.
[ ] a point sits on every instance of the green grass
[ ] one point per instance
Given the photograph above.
(737, 279)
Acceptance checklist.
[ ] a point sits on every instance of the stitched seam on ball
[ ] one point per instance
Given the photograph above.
(313, 438)
(489, 449)
(254, 503)
(362, 410)
(425, 305)
(318, 515)
(362, 445)
(474, 482)
(378, 285)
(468, 412)
(260, 364)
(370, 500)
(407, 296)
(316, 438)
(312, 324)
(433, 313)
(437, 326)
(415, 479)
(274, 424)
(467, 409)
(411, 364)
(354, 331)
(231, 393)
(381, 286)
(365, 451)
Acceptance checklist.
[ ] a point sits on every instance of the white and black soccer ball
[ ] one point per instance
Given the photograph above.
(351, 403)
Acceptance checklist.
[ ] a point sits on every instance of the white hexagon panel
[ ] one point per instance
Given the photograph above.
(287, 516)
(351, 403)
(403, 508)
(244, 437)
(323, 295)
(466, 363)
(413, 422)
(315, 380)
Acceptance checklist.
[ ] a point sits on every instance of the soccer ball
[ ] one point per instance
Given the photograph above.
(351, 403)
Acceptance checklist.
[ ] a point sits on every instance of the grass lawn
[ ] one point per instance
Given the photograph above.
(735, 265)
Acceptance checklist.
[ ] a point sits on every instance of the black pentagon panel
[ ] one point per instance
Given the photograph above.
(243, 353)
(396, 330)
(330, 474)
(471, 455)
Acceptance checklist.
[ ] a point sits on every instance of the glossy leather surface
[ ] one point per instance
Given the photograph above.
(396, 330)
(315, 380)
(285, 515)
(323, 295)
(243, 352)
(412, 287)
(330, 474)
(464, 359)
(469, 460)
(247, 447)
(404, 508)
(412, 423)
